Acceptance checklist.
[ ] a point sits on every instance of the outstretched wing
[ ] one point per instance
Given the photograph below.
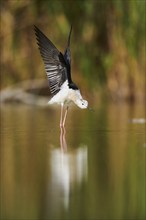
(54, 61)
(67, 57)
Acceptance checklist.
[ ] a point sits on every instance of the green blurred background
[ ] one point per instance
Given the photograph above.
(108, 43)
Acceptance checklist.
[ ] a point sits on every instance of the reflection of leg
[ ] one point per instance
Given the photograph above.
(61, 116)
(61, 138)
(65, 116)
(63, 143)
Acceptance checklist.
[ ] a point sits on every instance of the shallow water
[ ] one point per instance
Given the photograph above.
(94, 170)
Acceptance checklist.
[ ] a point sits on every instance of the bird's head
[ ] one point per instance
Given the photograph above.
(81, 103)
(76, 97)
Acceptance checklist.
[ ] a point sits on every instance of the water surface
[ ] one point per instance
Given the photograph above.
(94, 170)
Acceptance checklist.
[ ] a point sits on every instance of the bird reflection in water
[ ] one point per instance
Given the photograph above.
(69, 169)
(63, 143)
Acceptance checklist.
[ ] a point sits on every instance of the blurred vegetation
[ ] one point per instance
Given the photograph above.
(108, 42)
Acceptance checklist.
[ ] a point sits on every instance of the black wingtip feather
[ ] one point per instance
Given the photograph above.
(69, 37)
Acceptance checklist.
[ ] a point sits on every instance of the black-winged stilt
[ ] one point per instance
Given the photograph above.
(58, 69)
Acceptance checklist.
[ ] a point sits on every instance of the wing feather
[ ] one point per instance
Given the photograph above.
(54, 61)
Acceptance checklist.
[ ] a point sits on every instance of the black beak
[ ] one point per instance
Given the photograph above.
(91, 109)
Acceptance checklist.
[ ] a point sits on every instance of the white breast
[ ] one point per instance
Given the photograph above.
(62, 95)
(67, 95)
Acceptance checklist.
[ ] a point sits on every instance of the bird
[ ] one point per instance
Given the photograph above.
(58, 70)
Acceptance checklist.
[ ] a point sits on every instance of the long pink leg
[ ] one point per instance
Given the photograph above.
(61, 116)
(65, 116)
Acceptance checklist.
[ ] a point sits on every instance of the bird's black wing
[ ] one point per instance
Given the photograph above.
(55, 64)
(67, 57)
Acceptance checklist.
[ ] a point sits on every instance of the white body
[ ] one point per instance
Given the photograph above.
(67, 95)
